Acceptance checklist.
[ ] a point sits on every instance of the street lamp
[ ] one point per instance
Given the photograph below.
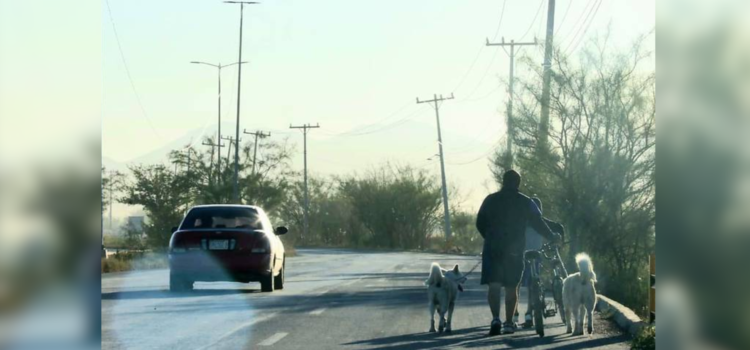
(218, 138)
(239, 85)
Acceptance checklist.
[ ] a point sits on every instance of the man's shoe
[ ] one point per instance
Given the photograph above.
(529, 322)
(509, 328)
(495, 327)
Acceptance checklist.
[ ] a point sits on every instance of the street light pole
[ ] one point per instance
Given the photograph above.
(218, 137)
(239, 85)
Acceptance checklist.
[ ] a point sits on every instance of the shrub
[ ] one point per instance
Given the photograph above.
(646, 339)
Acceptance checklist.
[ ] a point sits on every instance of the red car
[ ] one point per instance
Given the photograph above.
(226, 243)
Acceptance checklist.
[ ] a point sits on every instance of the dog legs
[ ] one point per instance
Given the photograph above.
(450, 316)
(441, 312)
(578, 314)
(590, 319)
(432, 316)
(568, 320)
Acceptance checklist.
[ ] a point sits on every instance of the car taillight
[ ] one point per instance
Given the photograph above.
(262, 246)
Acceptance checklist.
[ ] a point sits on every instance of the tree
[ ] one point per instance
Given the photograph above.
(163, 195)
(397, 204)
(110, 180)
(166, 194)
(597, 174)
(331, 217)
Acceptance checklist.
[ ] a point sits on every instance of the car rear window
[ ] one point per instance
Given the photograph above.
(222, 217)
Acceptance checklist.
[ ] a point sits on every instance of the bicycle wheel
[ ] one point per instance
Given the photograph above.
(537, 298)
(557, 291)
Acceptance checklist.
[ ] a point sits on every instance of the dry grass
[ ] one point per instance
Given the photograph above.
(135, 261)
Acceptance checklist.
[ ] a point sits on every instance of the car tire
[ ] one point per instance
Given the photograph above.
(267, 283)
(279, 279)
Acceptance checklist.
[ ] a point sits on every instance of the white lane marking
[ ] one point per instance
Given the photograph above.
(234, 330)
(323, 292)
(318, 311)
(273, 339)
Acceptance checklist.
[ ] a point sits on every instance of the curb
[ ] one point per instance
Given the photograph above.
(625, 318)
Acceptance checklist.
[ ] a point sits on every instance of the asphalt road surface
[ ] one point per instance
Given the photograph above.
(332, 299)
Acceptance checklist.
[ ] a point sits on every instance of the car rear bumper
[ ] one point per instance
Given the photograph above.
(224, 266)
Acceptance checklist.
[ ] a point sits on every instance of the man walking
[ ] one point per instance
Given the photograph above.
(502, 221)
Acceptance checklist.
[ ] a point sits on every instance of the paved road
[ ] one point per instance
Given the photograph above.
(332, 299)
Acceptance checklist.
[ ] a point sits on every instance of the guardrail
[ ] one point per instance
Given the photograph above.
(652, 290)
(108, 252)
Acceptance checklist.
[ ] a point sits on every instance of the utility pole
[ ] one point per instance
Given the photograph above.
(231, 141)
(111, 179)
(304, 128)
(239, 85)
(434, 102)
(219, 67)
(547, 77)
(509, 123)
(213, 149)
(257, 134)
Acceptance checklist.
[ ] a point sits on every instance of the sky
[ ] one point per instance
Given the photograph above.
(347, 65)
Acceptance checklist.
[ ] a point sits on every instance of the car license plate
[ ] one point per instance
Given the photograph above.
(218, 244)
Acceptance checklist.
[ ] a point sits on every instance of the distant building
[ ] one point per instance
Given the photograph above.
(136, 222)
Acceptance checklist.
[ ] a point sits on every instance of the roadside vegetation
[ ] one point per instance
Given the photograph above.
(594, 172)
(134, 261)
(646, 340)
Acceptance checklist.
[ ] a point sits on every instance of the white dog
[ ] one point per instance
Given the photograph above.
(443, 287)
(579, 293)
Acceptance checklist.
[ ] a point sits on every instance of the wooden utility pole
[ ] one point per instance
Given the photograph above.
(509, 123)
(547, 76)
(257, 134)
(231, 140)
(305, 128)
(435, 102)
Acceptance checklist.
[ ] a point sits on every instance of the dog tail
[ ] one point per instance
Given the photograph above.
(436, 275)
(586, 267)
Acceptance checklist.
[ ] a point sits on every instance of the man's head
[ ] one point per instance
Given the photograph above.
(511, 180)
(538, 202)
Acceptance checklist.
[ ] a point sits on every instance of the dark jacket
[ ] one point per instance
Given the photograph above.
(502, 220)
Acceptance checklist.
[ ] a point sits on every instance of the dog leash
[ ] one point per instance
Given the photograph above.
(470, 271)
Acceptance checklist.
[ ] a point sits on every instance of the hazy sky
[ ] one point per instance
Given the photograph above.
(343, 64)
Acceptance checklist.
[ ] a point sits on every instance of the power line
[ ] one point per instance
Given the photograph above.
(488, 94)
(583, 35)
(538, 10)
(575, 24)
(392, 125)
(479, 52)
(355, 130)
(484, 155)
(127, 71)
(567, 9)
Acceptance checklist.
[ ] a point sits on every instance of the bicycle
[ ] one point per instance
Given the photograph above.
(536, 260)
